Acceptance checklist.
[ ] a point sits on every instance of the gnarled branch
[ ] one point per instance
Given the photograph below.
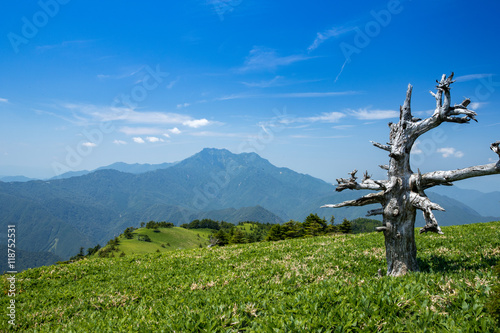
(434, 178)
(423, 203)
(373, 212)
(381, 146)
(444, 112)
(405, 110)
(352, 184)
(368, 199)
(495, 146)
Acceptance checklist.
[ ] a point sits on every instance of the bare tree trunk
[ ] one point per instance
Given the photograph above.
(403, 192)
(400, 247)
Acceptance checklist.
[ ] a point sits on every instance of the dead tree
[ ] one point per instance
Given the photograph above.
(403, 191)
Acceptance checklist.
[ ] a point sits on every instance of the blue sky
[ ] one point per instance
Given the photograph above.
(305, 85)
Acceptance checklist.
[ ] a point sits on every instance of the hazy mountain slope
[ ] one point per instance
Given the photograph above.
(486, 204)
(232, 215)
(134, 168)
(15, 179)
(38, 229)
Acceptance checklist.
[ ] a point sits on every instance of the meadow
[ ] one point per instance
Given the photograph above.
(319, 284)
(163, 240)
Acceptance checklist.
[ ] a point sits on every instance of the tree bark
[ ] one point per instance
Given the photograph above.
(403, 192)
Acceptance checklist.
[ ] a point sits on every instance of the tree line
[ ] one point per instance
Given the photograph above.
(156, 225)
(312, 226)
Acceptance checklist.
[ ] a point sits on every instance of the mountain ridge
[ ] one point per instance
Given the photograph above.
(214, 183)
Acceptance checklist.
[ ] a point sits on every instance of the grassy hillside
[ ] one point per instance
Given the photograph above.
(168, 239)
(322, 284)
(171, 238)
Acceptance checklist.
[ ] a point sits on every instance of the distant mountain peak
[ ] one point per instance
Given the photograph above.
(215, 151)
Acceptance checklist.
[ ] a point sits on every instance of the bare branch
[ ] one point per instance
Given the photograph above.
(381, 146)
(434, 178)
(423, 202)
(368, 199)
(385, 167)
(458, 120)
(496, 148)
(444, 111)
(461, 109)
(365, 185)
(444, 85)
(405, 110)
(431, 223)
(374, 212)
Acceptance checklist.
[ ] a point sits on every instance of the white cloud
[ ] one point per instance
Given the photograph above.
(138, 140)
(220, 134)
(119, 142)
(342, 127)
(196, 123)
(171, 84)
(183, 105)
(175, 130)
(4, 100)
(477, 105)
(125, 74)
(448, 151)
(472, 77)
(261, 58)
(89, 144)
(289, 95)
(274, 82)
(129, 115)
(153, 139)
(324, 36)
(314, 94)
(365, 114)
(327, 117)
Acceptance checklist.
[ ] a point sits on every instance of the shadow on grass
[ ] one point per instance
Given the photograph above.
(442, 264)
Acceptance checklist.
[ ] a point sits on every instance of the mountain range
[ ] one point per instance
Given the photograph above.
(59, 216)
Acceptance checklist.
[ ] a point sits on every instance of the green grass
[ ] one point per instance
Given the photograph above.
(321, 284)
(178, 238)
(245, 227)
